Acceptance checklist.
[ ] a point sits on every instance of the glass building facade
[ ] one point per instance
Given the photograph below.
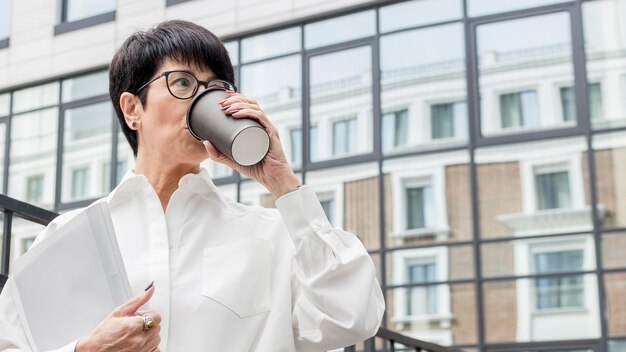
(472, 145)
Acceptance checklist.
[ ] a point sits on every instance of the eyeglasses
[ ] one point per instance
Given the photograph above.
(184, 85)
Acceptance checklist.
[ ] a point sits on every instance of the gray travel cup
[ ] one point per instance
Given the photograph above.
(243, 140)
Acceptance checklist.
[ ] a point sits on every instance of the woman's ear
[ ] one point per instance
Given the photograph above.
(131, 106)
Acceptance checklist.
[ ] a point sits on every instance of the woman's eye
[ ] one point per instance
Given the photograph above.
(182, 82)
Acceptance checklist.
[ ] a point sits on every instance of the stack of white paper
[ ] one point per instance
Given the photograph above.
(71, 281)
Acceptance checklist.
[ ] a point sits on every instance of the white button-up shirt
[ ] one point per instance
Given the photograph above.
(231, 277)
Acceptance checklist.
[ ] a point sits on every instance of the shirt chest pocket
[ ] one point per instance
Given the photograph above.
(238, 275)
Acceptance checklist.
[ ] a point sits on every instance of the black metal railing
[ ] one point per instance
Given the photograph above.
(13, 207)
(390, 338)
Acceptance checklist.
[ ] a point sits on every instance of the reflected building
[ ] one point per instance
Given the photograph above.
(476, 148)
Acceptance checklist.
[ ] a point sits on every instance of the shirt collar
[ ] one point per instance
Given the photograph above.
(200, 183)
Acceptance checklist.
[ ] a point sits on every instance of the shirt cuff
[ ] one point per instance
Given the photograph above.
(302, 213)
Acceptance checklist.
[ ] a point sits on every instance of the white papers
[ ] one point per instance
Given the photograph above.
(71, 281)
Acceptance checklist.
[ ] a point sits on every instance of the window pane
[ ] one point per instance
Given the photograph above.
(615, 285)
(33, 155)
(271, 44)
(277, 87)
(418, 13)
(86, 151)
(35, 97)
(215, 169)
(534, 188)
(616, 345)
(441, 314)
(86, 86)
(23, 233)
(605, 48)
(3, 130)
(429, 85)
(78, 9)
(429, 264)
(512, 312)
(340, 29)
(610, 163)
(553, 190)
(613, 245)
(395, 129)
(125, 158)
(538, 256)
(233, 52)
(427, 199)
(486, 7)
(5, 18)
(295, 140)
(513, 60)
(5, 104)
(341, 103)
(355, 199)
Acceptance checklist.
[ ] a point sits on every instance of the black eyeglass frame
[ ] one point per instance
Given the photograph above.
(214, 84)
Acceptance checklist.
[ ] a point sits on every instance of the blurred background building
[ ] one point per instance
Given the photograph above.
(476, 147)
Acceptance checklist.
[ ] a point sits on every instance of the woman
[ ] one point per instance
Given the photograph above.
(227, 277)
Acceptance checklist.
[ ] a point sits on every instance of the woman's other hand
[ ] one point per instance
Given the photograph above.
(273, 171)
(122, 330)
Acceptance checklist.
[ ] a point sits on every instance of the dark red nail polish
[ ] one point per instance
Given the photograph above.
(149, 286)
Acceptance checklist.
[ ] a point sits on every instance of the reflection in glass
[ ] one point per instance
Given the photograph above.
(341, 103)
(5, 18)
(5, 104)
(340, 29)
(616, 345)
(520, 61)
(3, 128)
(428, 199)
(609, 157)
(613, 245)
(35, 97)
(86, 151)
(429, 265)
(534, 188)
(441, 314)
(23, 233)
(571, 310)
(233, 52)
(75, 10)
(350, 198)
(423, 91)
(271, 44)
(418, 13)
(33, 157)
(277, 87)
(615, 286)
(486, 7)
(604, 25)
(85, 86)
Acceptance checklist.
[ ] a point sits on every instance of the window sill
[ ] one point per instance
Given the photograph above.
(4, 43)
(174, 2)
(551, 221)
(66, 27)
(559, 311)
(440, 234)
(444, 321)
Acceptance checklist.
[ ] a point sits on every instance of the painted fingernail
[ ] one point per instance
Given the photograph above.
(222, 101)
(149, 286)
(230, 92)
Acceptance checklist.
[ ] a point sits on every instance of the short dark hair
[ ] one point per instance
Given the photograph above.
(137, 60)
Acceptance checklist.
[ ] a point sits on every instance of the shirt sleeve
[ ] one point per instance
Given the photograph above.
(337, 300)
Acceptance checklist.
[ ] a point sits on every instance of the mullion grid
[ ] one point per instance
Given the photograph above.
(475, 141)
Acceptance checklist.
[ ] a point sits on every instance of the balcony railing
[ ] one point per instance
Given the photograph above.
(13, 207)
